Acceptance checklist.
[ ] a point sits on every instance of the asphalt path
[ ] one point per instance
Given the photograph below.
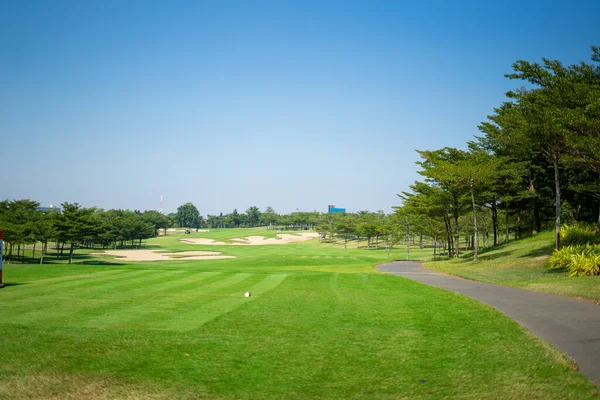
(571, 325)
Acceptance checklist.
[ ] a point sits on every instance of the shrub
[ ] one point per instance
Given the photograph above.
(578, 234)
(561, 259)
(585, 263)
(577, 260)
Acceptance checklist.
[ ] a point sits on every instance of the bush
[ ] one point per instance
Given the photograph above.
(561, 259)
(585, 263)
(578, 234)
(577, 260)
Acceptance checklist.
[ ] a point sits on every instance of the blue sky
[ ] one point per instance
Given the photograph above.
(294, 105)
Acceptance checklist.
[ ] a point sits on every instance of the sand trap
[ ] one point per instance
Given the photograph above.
(154, 255)
(283, 238)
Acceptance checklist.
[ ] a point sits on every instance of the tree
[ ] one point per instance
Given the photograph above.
(76, 225)
(430, 202)
(235, 218)
(344, 226)
(269, 217)
(187, 216)
(552, 113)
(45, 230)
(18, 220)
(391, 232)
(253, 216)
(434, 164)
(156, 219)
(474, 170)
(405, 221)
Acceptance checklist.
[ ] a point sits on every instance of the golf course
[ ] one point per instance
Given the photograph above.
(321, 322)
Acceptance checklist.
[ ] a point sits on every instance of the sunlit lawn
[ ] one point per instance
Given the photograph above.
(321, 323)
(523, 264)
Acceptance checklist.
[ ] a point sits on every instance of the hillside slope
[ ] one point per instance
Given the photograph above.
(522, 264)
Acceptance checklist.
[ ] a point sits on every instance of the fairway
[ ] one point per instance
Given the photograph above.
(321, 323)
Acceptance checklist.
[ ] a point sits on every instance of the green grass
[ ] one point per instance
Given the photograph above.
(522, 264)
(321, 323)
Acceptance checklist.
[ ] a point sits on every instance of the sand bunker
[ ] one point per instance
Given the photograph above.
(282, 238)
(154, 255)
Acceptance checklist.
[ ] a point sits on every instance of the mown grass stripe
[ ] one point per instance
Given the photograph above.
(27, 292)
(195, 317)
(72, 277)
(123, 300)
(44, 309)
(108, 288)
(165, 297)
(153, 312)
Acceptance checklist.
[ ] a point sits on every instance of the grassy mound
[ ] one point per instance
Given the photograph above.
(524, 264)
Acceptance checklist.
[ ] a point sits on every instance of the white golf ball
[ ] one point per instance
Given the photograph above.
(247, 294)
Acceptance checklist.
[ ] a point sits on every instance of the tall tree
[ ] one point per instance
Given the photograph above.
(76, 225)
(187, 216)
(433, 164)
(269, 217)
(253, 214)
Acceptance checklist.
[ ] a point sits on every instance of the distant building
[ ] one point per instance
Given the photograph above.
(334, 209)
(50, 209)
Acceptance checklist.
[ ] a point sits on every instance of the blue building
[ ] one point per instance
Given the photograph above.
(334, 209)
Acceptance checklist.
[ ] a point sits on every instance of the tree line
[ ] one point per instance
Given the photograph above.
(24, 224)
(536, 164)
(188, 216)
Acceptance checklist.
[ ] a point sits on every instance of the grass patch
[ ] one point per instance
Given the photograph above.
(523, 264)
(321, 323)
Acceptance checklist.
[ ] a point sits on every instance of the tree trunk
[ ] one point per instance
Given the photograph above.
(598, 224)
(456, 235)
(345, 242)
(557, 188)
(71, 253)
(448, 234)
(44, 247)
(495, 221)
(408, 248)
(33, 256)
(421, 242)
(476, 236)
(506, 223)
(537, 223)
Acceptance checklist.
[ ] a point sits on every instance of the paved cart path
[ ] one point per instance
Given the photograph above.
(571, 325)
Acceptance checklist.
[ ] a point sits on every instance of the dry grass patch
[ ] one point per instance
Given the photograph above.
(56, 386)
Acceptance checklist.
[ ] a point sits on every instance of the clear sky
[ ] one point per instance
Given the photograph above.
(294, 105)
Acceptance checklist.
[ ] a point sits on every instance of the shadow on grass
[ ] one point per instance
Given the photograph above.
(542, 251)
(495, 255)
(15, 284)
(556, 271)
